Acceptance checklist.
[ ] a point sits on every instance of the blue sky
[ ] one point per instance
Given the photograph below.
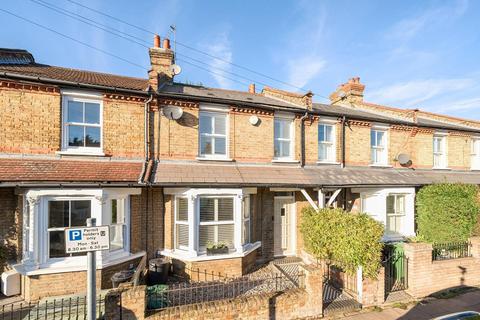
(409, 53)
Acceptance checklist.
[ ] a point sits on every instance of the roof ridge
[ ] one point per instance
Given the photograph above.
(85, 70)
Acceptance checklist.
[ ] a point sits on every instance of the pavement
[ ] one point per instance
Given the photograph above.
(424, 310)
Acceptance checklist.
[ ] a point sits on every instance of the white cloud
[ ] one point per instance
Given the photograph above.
(412, 93)
(461, 105)
(408, 28)
(304, 60)
(221, 47)
(303, 69)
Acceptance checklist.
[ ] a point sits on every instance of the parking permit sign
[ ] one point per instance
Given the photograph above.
(87, 239)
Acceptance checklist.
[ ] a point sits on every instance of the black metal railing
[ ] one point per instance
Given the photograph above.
(452, 250)
(187, 293)
(63, 308)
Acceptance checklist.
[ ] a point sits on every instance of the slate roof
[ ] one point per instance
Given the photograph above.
(33, 170)
(192, 174)
(15, 56)
(75, 75)
(209, 93)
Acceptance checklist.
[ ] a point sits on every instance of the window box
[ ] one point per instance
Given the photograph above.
(217, 251)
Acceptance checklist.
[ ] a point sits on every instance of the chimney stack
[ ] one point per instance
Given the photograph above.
(351, 91)
(161, 61)
(251, 88)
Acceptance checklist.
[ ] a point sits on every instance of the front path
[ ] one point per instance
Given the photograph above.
(425, 310)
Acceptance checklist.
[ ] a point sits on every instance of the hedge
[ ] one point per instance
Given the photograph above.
(447, 212)
(349, 240)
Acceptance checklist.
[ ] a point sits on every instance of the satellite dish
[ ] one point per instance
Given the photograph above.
(172, 112)
(404, 159)
(175, 69)
(254, 120)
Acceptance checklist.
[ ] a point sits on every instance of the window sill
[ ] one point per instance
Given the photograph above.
(285, 161)
(80, 153)
(375, 165)
(214, 159)
(32, 269)
(443, 168)
(187, 256)
(328, 162)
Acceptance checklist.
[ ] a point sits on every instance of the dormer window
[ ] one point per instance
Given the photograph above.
(82, 123)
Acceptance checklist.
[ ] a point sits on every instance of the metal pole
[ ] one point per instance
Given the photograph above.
(91, 278)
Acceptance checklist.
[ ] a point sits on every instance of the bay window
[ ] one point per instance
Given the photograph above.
(204, 217)
(283, 138)
(326, 143)
(65, 214)
(117, 224)
(439, 151)
(378, 146)
(213, 134)
(47, 213)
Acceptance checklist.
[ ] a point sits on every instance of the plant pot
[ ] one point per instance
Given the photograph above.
(213, 252)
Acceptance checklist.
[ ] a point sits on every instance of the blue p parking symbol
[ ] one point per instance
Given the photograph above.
(75, 235)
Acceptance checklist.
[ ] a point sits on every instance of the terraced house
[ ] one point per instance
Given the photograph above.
(172, 167)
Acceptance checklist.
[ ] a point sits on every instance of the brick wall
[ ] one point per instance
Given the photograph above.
(426, 276)
(47, 285)
(292, 304)
(147, 221)
(10, 224)
(123, 123)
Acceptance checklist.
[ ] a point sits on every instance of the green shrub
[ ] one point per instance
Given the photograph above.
(350, 240)
(447, 212)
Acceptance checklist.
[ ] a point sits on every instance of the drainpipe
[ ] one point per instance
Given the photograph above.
(146, 138)
(302, 139)
(343, 140)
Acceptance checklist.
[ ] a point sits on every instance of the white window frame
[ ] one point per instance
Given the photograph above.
(193, 195)
(332, 144)
(117, 224)
(36, 258)
(179, 222)
(384, 152)
(216, 222)
(291, 139)
(86, 97)
(212, 110)
(475, 153)
(395, 214)
(443, 155)
(246, 221)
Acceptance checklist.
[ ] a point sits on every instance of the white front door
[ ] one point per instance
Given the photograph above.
(284, 226)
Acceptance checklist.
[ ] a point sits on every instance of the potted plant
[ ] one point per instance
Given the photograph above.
(217, 248)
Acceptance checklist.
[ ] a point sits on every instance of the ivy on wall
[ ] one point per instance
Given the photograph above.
(349, 240)
(447, 212)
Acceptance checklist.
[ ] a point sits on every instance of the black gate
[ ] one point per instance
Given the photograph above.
(396, 269)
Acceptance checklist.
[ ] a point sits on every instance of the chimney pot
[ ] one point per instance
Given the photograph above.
(156, 41)
(251, 88)
(166, 43)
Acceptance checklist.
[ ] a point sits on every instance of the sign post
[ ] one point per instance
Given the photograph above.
(89, 240)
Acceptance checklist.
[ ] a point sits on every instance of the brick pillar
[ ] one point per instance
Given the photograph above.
(314, 289)
(419, 268)
(373, 290)
(126, 303)
(475, 241)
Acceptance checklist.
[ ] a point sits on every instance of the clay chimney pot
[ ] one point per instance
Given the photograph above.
(156, 41)
(251, 88)
(166, 43)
